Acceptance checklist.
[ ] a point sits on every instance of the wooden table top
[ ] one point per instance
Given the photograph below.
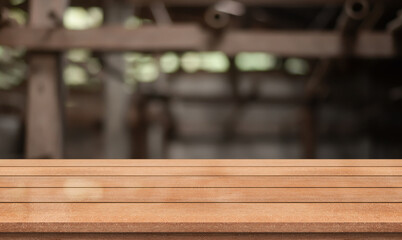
(159, 196)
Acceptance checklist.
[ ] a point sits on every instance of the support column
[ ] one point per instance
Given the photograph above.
(117, 93)
(44, 136)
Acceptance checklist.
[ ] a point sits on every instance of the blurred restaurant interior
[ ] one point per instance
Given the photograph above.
(200, 79)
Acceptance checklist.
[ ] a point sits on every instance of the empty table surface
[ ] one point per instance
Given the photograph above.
(201, 199)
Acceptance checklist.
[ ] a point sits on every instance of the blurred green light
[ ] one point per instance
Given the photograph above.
(78, 55)
(140, 67)
(255, 61)
(297, 66)
(18, 15)
(170, 62)
(214, 62)
(133, 22)
(191, 62)
(78, 18)
(74, 75)
(16, 2)
(147, 72)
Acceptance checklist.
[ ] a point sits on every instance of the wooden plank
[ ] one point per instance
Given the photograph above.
(201, 181)
(212, 171)
(108, 38)
(201, 217)
(44, 104)
(205, 195)
(202, 236)
(192, 37)
(303, 44)
(202, 163)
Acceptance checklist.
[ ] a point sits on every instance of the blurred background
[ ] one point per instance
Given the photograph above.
(210, 102)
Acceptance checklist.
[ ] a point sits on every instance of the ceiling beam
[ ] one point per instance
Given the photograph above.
(191, 37)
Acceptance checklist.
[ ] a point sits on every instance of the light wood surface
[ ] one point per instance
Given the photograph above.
(202, 163)
(201, 236)
(198, 197)
(201, 171)
(203, 181)
(200, 217)
(200, 194)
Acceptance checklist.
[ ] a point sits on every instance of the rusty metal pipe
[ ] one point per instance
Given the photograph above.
(357, 9)
(354, 12)
(216, 19)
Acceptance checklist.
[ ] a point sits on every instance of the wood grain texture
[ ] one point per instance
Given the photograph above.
(202, 163)
(202, 197)
(200, 236)
(221, 195)
(207, 171)
(201, 217)
(201, 181)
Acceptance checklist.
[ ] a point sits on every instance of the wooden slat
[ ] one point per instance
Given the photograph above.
(222, 195)
(152, 38)
(303, 44)
(203, 163)
(202, 236)
(192, 37)
(214, 171)
(201, 181)
(201, 217)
